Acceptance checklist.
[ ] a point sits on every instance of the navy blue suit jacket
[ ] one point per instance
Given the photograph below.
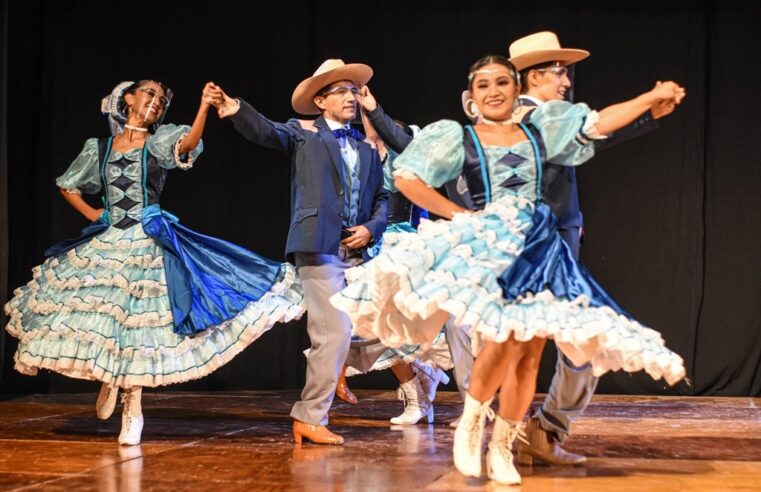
(317, 191)
(393, 136)
(559, 188)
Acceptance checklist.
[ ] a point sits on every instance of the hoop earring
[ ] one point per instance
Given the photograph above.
(471, 109)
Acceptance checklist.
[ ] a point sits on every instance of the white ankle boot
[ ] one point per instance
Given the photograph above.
(104, 406)
(132, 417)
(430, 378)
(468, 438)
(417, 406)
(499, 458)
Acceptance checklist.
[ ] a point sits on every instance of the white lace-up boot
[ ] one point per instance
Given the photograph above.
(468, 438)
(499, 458)
(132, 416)
(104, 406)
(417, 406)
(430, 378)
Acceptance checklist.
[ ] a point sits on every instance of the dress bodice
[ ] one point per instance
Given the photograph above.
(128, 181)
(437, 155)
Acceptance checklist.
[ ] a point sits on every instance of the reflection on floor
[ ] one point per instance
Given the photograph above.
(242, 441)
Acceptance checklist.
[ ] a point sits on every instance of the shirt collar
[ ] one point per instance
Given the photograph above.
(334, 125)
(533, 99)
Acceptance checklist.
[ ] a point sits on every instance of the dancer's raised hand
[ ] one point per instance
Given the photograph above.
(366, 99)
(226, 106)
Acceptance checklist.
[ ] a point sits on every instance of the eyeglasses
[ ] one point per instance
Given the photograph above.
(152, 93)
(557, 70)
(341, 90)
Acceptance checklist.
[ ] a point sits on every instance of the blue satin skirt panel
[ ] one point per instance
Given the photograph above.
(209, 280)
(547, 262)
(93, 229)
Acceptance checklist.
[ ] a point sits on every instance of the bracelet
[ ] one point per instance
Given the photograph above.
(178, 159)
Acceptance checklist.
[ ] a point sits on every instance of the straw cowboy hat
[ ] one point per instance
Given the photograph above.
(330, 71)
(542, 47)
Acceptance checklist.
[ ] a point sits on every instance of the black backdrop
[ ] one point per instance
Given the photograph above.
(672, 218)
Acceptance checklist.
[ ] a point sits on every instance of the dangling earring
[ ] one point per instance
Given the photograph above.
(517, 104)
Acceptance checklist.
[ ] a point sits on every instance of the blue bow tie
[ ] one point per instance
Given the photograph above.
(349, 132)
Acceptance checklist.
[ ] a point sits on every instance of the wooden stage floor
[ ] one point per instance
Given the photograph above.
(241, 441)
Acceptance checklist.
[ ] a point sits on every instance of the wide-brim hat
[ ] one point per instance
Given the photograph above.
(542, 47)
(330, 71)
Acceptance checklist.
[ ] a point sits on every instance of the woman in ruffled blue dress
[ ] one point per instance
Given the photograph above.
(418, 368)
(139, 300)
(500, 268)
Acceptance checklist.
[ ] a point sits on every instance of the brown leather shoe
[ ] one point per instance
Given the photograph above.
(544, 446)
(343, 391)
(318, 434)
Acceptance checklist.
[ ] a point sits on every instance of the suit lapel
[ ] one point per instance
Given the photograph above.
(365, 163)
(332, 145)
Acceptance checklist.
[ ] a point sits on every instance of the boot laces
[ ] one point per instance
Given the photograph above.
(476, 425)
(517, 431)
(127, 398)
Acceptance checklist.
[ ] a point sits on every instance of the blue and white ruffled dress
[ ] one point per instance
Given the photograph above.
(138, 299)
(378, 357)
(503, 270)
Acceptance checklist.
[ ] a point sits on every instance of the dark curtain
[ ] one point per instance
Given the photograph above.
(672, 219)
(3, 178)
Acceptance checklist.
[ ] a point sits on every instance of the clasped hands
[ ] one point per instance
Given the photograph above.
(213, 95)
(669, 94)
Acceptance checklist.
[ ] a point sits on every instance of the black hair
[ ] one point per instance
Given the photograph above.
(523, 74)
(487, 60)
(132, 89)
(405, 127)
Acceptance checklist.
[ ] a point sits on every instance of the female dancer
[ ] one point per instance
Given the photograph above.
(418, 368)
(503, 270)
(138, 299)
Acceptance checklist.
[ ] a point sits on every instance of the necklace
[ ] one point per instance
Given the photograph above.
(506, 122)
(135, 128)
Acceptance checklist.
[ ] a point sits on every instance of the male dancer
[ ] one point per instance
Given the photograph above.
(338, 207)
(543, 68)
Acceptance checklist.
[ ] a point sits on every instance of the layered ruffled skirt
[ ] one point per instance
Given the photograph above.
(499, 272)
(378, 357)
(102, 311)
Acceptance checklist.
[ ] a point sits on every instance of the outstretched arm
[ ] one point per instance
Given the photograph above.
(619, 115)
(252, 125)
(190, 141)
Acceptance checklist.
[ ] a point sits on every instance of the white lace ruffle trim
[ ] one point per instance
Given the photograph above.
(192, 358)
(405, 303)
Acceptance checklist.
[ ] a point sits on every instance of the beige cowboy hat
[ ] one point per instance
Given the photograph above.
(330, 71)
(542, 47)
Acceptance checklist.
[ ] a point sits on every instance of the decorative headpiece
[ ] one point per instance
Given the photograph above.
(114, 108)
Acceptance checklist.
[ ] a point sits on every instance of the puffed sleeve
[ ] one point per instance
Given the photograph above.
(83, 175)
(164, 145)
(388, 171)
(436, 155)
(568, 131)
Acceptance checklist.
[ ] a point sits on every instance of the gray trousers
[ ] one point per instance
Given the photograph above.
(461, 351)
(329, 332)
(571, 389)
